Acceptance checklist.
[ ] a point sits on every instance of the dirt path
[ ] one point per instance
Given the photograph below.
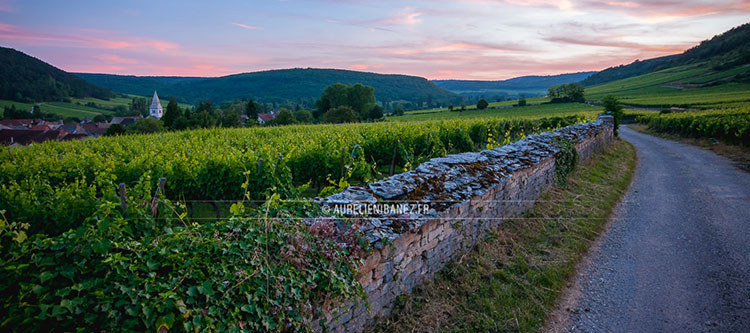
(676, 257)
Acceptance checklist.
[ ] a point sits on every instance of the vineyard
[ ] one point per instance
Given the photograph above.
(79, 252)
(691, 86)
(729, 125)
(508, 112)
(60, 182)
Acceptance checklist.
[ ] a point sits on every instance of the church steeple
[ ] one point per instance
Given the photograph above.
(155, 110)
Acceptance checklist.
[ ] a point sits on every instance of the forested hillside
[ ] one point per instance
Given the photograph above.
(297, 85)
(528, 85)
(26, 79)
(724, 51)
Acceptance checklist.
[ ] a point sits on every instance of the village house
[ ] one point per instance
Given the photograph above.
(265, 117)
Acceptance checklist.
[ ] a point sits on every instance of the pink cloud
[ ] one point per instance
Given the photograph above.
(248, 27)
(404, 16)
(24, 36)
(113, 58)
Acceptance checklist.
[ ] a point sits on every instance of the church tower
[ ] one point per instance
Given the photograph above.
(155, 110)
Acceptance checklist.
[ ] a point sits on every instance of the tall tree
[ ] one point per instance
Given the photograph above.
(482, 104)
(361, 99)
(613, 107)
(334, 96)
(285, 117)
(303, 116)
(341, 114)
(139, 105)
(251, 110)
(173, 112)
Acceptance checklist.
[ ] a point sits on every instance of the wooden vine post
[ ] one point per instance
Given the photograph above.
(123, 199)
(343, 152)
(393, 160)
(155, 201)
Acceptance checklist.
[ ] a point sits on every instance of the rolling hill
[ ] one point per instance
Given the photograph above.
(296, 85)
(528, 85)
(713, 74)
(730, 49)
(26, 79)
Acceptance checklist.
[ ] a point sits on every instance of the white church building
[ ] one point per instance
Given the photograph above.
(155, 110)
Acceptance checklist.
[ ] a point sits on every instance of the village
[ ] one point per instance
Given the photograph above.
(22, 132)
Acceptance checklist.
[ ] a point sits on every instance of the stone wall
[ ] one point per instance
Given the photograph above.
(448, 204)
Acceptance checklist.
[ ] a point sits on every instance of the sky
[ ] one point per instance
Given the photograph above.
(436, 39)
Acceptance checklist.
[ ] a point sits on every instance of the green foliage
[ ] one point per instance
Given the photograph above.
(115, 129)
(613, 107)
(53, 185)
(729, 125)
(285, 117)
(251, 110)
(256, 271)
(482, 104)
(340, 114)
(376, 113)
(566, 93)
(139, 105)
(565, 161)
(303, 116)
(230, 117)
(145, 126)
(173, 112)
(361, 99)
(522, 102)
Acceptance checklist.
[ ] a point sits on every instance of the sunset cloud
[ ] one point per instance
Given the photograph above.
(462, 39)
(248, 27)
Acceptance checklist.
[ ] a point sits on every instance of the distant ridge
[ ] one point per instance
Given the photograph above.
(528, 85)
(26, 79)
(729, 49)
(297, 85)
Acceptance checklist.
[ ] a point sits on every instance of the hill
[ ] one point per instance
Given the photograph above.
(697, 85)
(724, 51)
(26, 79)
(296, 85)
(528, 85)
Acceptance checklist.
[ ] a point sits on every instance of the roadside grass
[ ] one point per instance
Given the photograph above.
(736, 153)
(511, 280)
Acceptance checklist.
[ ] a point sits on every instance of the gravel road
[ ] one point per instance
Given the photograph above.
(676, 256)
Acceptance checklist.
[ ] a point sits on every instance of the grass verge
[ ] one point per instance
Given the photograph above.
(511, 280)
(738, 154)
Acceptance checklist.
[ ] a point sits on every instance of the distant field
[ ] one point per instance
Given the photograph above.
(523, 112)
(531, 100)
(77, 107)
(60, 108)
(695, 86)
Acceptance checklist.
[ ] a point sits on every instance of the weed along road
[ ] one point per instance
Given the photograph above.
(676, 256)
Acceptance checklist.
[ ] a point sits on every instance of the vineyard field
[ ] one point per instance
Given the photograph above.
(522, 112)
(729, 125)
(59, 182)
(530, 100)
(689, 86)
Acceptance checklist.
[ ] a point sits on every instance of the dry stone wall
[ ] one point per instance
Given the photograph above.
(426, 217)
